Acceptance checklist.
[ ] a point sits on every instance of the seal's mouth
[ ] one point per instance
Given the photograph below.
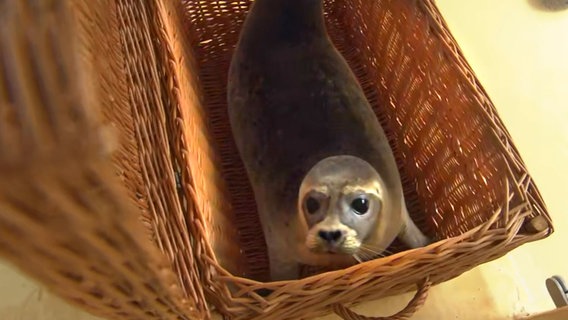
(333, 249)
(335, 242)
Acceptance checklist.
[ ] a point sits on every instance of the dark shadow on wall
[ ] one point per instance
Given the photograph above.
(549, 5)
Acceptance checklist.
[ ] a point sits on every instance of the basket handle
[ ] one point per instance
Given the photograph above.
(416, 303)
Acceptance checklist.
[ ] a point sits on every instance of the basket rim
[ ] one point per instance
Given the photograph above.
(459, 240)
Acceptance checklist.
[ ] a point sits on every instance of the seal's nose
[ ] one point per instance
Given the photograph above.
(332, 236)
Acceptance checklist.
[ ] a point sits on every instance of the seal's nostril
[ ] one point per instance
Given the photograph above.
(324, 235)
(335, 235)
(330, 236)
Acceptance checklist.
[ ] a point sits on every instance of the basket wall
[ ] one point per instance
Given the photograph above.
(75, 79)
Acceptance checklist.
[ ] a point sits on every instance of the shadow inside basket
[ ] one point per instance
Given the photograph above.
(461, 175)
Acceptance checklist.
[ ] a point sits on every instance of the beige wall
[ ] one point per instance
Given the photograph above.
(23, 299)
(555, 314)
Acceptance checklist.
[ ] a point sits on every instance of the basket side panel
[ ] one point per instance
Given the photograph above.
(445, 148)
(99, 38)
(64, 219)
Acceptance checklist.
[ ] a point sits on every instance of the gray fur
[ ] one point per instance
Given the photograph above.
(294, 101)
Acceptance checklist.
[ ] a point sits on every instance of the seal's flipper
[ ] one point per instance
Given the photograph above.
(283, 269)
(410, 234)
(283, 258)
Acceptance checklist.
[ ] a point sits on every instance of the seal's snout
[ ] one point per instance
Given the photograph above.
(331, 237)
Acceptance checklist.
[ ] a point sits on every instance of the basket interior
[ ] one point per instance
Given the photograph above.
(446, 142)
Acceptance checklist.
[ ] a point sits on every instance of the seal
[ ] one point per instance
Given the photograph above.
(348, 209)
(326, 184)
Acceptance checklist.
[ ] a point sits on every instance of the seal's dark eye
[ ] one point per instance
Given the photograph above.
(312, 205)
(360, 205)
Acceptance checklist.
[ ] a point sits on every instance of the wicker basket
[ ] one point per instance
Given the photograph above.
(122, 191)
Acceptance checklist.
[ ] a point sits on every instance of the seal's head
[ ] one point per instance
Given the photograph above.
(342, 200)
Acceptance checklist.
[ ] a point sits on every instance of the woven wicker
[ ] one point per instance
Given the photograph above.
(122, 191)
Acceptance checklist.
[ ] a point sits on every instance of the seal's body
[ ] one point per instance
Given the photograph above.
(294, 102)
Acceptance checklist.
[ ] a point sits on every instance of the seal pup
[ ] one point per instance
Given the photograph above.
(325, 181)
